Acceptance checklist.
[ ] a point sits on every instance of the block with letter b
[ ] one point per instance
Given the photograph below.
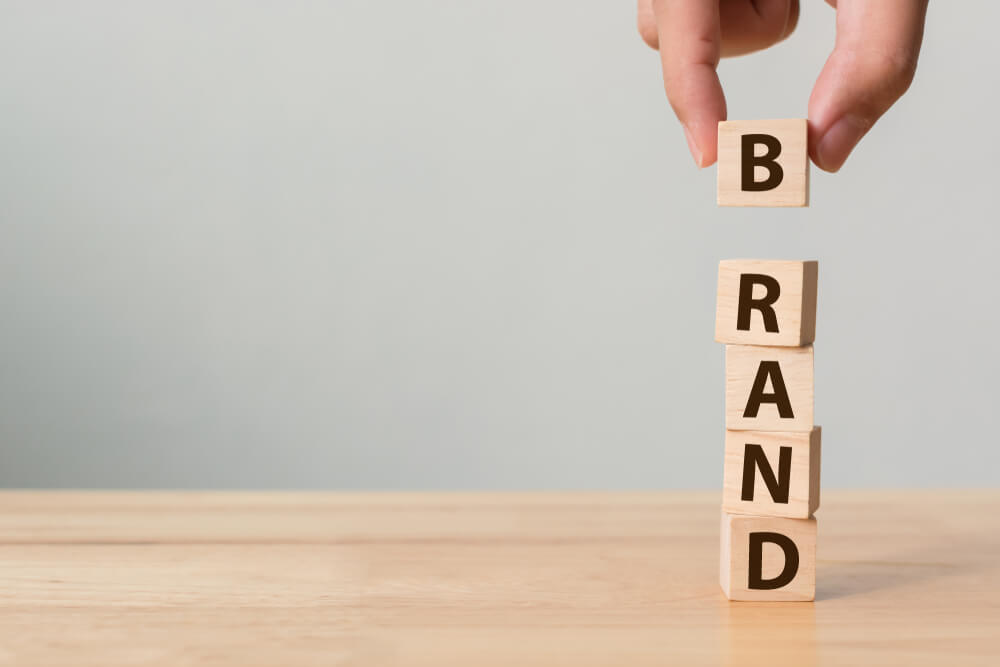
(763, 163)
(772, 473)
(766, 302)
(767, 558)
(769, 388)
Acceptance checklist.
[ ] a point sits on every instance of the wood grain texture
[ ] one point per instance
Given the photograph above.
(794, 160)
(804, 477)
(794, 309)
(734, 557)
(481, 579)
(743, 365)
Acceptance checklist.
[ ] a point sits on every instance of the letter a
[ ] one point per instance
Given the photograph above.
(779, 397)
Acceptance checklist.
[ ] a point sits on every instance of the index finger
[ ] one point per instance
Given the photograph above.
(690, 48)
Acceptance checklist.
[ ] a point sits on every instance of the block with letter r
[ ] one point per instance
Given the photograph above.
(766, 302)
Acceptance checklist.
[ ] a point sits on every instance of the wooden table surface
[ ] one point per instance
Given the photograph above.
(904, 578)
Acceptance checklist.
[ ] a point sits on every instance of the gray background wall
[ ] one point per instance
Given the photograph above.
(436, 244)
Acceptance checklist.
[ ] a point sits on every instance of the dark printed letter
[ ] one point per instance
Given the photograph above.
(747, 303)
(753, 456)
(756, 579)
(774, 171)
(779, 397)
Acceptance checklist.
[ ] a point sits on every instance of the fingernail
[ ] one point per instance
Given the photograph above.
(838, 142)
(693, 146)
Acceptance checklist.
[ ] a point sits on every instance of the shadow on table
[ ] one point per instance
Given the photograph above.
(839, 579)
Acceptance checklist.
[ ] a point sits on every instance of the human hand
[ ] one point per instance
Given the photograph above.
(872, 64)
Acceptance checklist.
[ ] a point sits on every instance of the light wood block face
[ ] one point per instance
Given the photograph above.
(766, 302)
(763, 163)
(769, 388)
(768, 558)
(772, 473)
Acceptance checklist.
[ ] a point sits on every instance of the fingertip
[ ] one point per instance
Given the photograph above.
(831, 148)
(710, 149)
(702, 141)
(693, 146)
(646, 24)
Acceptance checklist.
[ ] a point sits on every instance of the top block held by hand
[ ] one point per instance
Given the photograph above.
(766, 302)
(763, 163)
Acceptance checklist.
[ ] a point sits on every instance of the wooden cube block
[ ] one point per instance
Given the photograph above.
(772, 473)
(769, 388)
(766, 302)
(767, 558)
(763, 163)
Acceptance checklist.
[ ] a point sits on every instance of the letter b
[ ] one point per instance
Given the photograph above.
(748, 162)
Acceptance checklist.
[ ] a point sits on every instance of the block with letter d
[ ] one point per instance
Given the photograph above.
(768, 558)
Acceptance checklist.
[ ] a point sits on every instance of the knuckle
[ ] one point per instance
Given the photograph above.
(776, 24)
(894, 69)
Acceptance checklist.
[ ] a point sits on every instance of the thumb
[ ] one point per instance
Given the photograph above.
(871, 66)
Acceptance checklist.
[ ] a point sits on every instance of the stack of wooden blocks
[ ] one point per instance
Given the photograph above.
(766, 316)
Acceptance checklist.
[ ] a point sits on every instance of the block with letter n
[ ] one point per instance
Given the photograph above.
(772, 473)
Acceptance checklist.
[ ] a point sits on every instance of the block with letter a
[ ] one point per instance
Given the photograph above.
(769, 388)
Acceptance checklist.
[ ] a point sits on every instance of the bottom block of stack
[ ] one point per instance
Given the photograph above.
(768, 558)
